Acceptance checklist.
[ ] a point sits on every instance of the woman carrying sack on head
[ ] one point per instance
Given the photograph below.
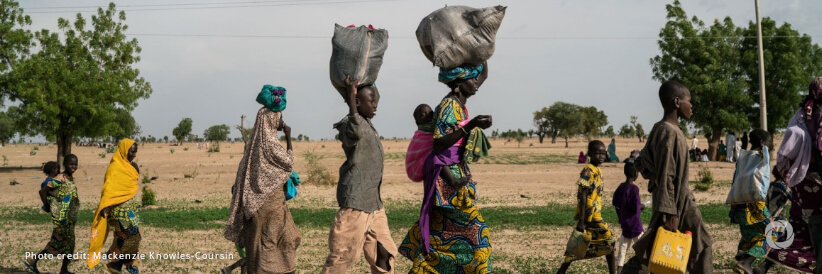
(449, 208)
(258, 214)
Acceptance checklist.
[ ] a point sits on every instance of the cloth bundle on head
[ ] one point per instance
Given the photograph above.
(272, 97)
(459, 73)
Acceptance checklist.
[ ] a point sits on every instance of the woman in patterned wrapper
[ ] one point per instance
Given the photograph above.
(259, 219)
(451, 236)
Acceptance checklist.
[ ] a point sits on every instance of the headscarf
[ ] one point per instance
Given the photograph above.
(265, 167)
(272, 97)
(120, 186)
(459, 73)
(813, 120)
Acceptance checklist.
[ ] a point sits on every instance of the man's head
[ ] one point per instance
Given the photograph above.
(674, 96)
(423, 114)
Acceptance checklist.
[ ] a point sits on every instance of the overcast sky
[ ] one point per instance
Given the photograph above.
(582, 51)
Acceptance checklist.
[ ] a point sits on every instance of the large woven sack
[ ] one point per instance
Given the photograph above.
(752, 177)
(356, 52)
(457, 35)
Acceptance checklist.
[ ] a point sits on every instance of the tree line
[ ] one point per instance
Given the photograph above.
(719, 64)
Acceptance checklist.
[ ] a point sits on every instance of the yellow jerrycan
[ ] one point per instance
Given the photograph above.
(670, 253)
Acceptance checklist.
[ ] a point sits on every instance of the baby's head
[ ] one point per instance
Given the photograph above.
(51, 169)
(423, 114)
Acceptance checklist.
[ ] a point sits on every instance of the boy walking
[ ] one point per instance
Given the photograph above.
(360, 225)
(628, 208)
(664, 162)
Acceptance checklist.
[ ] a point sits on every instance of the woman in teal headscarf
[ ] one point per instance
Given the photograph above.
(612, 157)
(259, 219)
(449, 209)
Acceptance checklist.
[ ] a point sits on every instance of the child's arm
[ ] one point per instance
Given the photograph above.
(483, 74)
(582, 201)
(43, 193)
(287, 132)
(451, 180)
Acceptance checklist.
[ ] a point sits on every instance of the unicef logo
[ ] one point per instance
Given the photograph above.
(778, 228)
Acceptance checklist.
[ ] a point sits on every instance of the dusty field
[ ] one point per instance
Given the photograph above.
(542, 173)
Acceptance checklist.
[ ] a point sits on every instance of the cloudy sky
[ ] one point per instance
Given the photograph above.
(207, 61)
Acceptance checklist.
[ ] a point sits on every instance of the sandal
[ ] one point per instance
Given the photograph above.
(31, 266)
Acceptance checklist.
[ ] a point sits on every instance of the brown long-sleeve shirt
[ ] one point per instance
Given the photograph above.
(664, 162)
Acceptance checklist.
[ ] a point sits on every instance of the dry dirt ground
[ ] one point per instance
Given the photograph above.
(543, 173)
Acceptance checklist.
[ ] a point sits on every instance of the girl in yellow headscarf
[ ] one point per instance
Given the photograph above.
(118, 212)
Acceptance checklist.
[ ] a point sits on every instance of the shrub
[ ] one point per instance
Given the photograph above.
(111, 149)
(214, 148)
(171, 150)
(185, 149)
(146, 179)
(148, 197)
(191, 175)
(102, 155)
(706, 179)
(316, 173)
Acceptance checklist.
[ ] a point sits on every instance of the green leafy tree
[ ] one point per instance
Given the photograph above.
(565, 119)
(640, 132)
(542, 124)
(610, 132)
(706, 60)
(182, 130)
(791, 61)
(7, 129)
(626, 131)
(15, 42)
(592, 122)
(216, 133)
(81, 82)
(559, 120)
(519, 137)
(165, 139)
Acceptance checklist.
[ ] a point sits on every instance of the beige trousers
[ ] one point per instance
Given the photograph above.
(355, 231)
(622, 248)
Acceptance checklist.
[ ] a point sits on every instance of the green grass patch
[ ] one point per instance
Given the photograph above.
(399, 215)
(526, 159)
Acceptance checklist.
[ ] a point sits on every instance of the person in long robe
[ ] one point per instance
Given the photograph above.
(664, 162)
(259, 219)
(799, 162)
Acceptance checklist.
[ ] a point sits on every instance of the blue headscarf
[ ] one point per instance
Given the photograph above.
(461, 72)
(272, 97)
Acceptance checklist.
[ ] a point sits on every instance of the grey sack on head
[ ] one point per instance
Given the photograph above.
(457, 35)
(356, 52)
